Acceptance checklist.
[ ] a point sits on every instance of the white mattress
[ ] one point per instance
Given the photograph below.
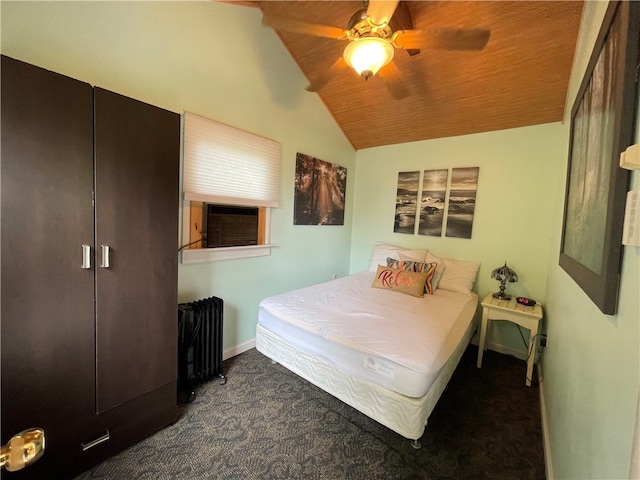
(395, 340)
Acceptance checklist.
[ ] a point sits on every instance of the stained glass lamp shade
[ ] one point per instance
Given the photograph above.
(503, 274)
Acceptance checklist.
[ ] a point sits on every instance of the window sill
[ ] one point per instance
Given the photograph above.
(225, 253)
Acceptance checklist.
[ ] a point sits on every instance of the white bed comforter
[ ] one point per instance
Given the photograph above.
(417, 333)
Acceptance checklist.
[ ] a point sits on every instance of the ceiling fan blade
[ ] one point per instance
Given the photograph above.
(289, 24)
(444, 39)
(320, 81)
(390, 75)
(241, 3)
(402, 21)
(381, 11)
(402, 17)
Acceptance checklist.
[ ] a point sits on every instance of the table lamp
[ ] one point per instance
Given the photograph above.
(503, 274)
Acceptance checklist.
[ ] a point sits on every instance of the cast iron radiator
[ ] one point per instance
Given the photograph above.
(199, 344)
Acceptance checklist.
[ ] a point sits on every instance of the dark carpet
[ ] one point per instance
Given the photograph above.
(267, 423)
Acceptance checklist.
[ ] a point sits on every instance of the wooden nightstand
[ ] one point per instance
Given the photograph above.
(526, 317)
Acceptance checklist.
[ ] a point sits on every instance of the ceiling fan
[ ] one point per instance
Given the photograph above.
(373, 33)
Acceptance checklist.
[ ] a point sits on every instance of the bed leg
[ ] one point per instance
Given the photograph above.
(416, 444)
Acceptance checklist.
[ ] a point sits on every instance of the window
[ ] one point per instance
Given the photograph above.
(230, 181)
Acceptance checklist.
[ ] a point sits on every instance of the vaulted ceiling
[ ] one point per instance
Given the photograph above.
(519, 78)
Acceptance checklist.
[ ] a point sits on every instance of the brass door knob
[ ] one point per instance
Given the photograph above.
(22, 450)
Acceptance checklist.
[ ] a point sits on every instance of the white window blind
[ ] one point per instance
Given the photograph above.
(225, 165)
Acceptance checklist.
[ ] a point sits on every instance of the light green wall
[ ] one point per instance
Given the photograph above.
(591, 364)
(514, 206)
(216, 60)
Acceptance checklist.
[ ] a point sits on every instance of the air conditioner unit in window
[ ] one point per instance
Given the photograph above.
(230, 226)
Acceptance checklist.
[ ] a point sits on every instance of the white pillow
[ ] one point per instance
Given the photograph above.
(458, 275)
(439, 269)
(382, 250)
(413, 255)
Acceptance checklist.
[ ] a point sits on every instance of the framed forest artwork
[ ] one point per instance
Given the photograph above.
(601, 127)
(319, 192)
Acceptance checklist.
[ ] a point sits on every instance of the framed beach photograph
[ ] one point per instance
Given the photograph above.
(601, 127)
(462, 201)
(406, 202)
(434, 190)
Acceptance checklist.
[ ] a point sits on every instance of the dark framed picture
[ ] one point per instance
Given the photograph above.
(601, 127)
(319, 192)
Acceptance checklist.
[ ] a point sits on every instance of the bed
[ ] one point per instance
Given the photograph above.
(386, 352)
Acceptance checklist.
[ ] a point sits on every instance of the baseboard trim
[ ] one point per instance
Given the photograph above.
(548, 465)
(238, 349)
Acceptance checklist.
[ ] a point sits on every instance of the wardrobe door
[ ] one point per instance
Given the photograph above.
(137, 148)
(47, 296)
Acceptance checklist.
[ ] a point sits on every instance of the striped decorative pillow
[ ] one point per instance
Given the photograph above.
(418, 267)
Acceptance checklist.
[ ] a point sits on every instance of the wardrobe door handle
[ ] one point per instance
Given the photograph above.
(104, 261)
(86, 256)
(96, 442)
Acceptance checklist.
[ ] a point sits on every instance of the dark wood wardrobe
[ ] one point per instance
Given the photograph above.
(89, 267)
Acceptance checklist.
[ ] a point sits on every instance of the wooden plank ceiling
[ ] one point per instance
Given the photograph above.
(520, 78)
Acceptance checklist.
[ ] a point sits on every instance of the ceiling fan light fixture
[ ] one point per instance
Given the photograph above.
(367, 55)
